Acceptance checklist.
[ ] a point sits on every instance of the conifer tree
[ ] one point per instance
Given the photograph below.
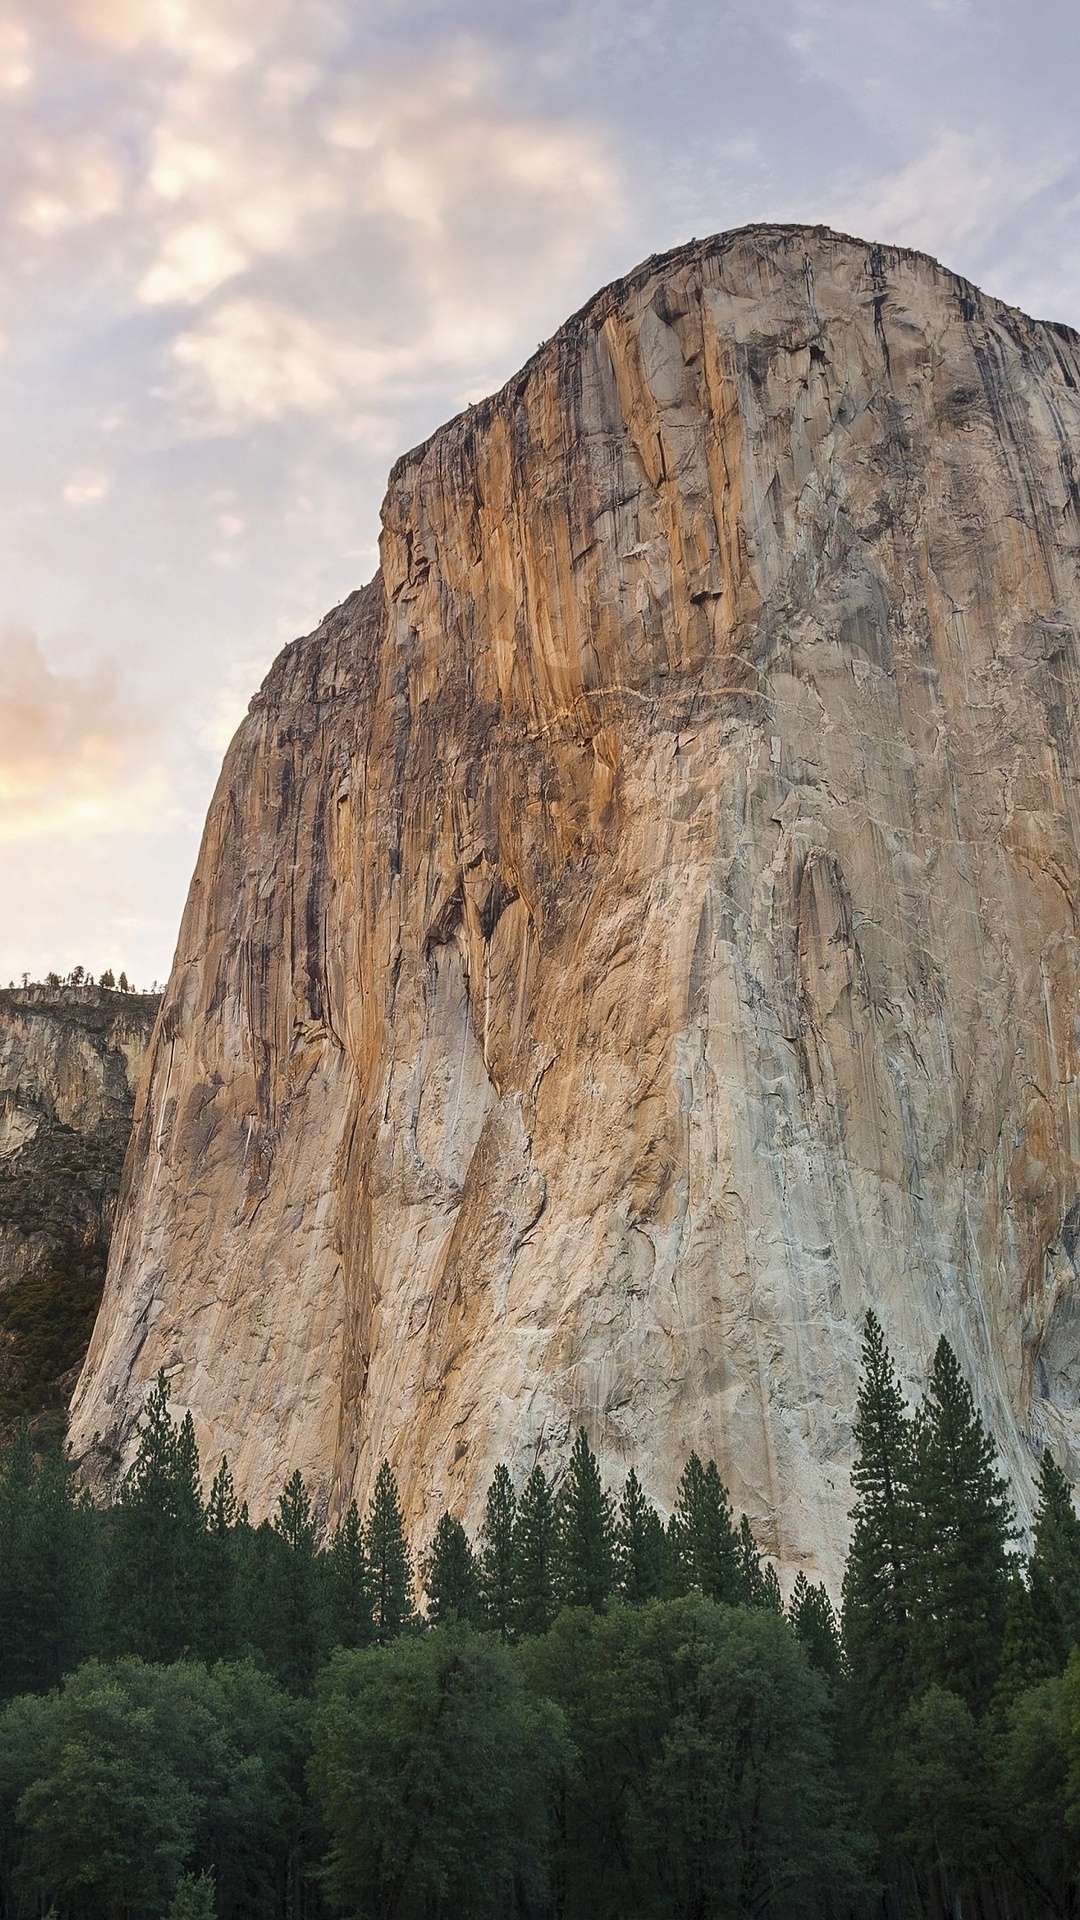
(641, 1557)
(389, 1563)
(750, 1571)
(66, 1565)
(1055, 1559)
(771, 1597)
(350, 1588)
(584, 1533)
(877, 1579)
(1031, 1639)
(535, 1604)
(296, 1600)
(451, 1576)
(702, 1532)
(496, 1558)
(814, 1623)
(154, 1576)
(964, 1523)
(48, 1569)
(222, 1638)
(19, 1598)
(222, 1512)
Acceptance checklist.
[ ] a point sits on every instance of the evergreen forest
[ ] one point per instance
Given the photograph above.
(584, 1713)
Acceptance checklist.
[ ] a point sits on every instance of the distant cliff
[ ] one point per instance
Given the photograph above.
(70, 1059)
(641, 929)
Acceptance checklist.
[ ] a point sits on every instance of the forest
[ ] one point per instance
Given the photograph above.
(584, 1713)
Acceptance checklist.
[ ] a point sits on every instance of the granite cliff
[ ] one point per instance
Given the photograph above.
(70, 1058)
(638, 931)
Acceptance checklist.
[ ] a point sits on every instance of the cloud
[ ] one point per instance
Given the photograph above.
(195, 259)
(16, 65)
(215, 35)
(395, 232)
(73, 749)
(69, 185)
(955, 195)
(87, 487)
(254, 361)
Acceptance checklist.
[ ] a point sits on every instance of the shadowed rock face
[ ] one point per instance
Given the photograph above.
(70, 1059)
(639, 930)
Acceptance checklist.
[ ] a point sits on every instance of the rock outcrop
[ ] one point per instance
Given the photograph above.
(639, 930)
(70, 1059)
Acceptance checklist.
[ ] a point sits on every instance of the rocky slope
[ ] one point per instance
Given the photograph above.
(70, 1058)
(639, 930)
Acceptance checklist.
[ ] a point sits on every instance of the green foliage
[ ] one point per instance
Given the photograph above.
(1055, 1561)
(1031, 1649)
(814, 1623)
(1036, 1752)
(630, 1757)
(877, 1580)
(388, 1559)
(942, 1804)
(964, 1523)
(451, 1576)
(432, 1768)
(194, 1896)
(48, 1316)
(132, 1772)
(642, 1560)
(157, 1565)
(704, 1782)
(704, 1544)
(349, 1584)
(496, 1557)
(534, 1551)
(584, 1532)
(294, 1617)
(48, 1569)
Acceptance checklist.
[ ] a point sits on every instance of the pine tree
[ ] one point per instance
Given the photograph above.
(771, 1597)
(222, 1638)
(154, 1576)
(451, 1576)
(297, 1597)
(584, 1533)
(534, 1551)
(703, 1537)
(350, 1588)
(750, 1571)
(65, 1563)
(877, 1579)
(19, 1598)
(813, 1622)
(496, 1557)
(641, 1556)
(222, 1512)
(1031, 1638)
(389, 1563)
(1055, 1559)
(964, 1523)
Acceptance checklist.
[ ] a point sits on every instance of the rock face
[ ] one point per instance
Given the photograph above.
(70, 1059)
(639, 930)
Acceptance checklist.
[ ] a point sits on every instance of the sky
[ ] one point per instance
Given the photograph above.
(252, 250)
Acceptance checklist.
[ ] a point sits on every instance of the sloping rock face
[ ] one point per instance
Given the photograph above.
(639, 931)
(70, 1059)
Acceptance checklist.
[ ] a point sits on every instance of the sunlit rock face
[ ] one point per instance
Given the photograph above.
(638, 932)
